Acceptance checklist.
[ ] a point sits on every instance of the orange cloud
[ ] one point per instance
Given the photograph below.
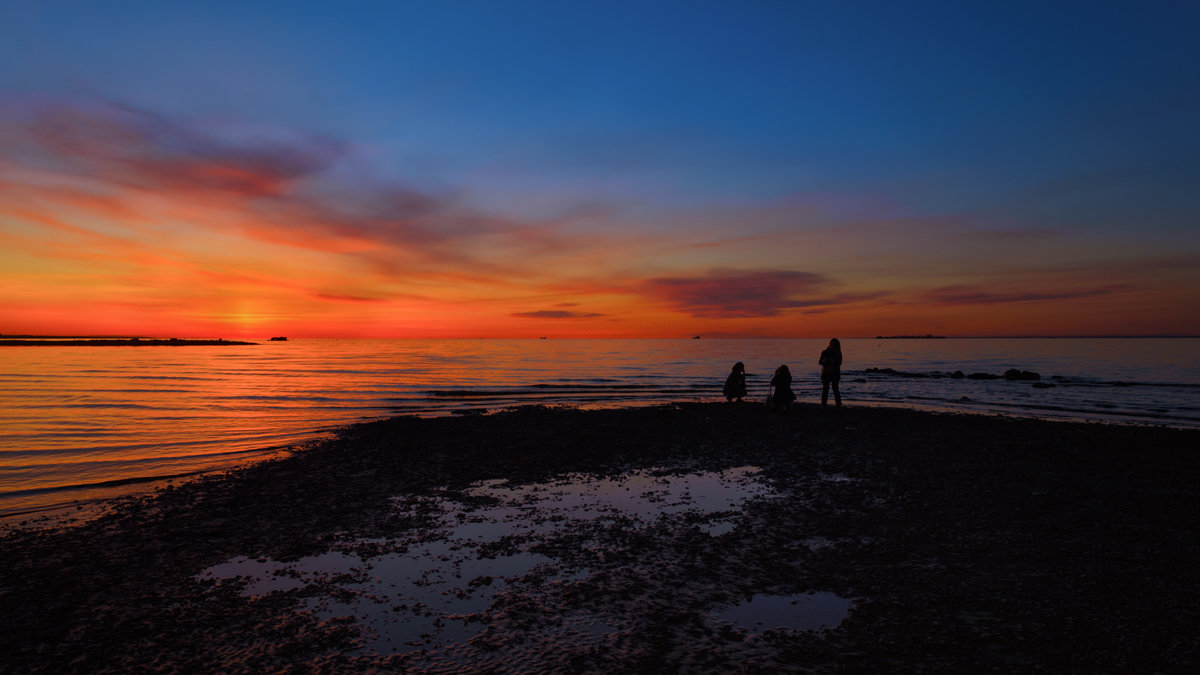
(120, 220)
(278, 191)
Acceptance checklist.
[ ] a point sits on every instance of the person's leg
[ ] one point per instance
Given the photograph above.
(824, 392)
(837, 394)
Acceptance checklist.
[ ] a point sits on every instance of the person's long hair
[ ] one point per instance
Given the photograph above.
(835, 346)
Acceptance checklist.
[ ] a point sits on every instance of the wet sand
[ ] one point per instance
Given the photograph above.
(694, 537)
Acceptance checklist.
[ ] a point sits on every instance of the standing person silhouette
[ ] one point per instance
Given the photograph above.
(781, 389)
(735, 384)
(831, 372)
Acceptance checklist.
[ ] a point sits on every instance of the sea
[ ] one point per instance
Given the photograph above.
(85, 423)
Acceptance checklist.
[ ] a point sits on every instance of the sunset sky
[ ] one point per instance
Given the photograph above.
(599, 169)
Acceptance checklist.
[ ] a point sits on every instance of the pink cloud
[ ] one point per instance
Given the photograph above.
(135, 148)
(725, 294)
(284, 187)
(976, 295)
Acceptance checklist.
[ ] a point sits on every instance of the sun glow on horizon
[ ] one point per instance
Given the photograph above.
(778, 187)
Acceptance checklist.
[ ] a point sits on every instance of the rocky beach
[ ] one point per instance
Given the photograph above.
(690, 537)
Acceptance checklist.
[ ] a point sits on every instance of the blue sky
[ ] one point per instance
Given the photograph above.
(1073, 117)
(722, 99)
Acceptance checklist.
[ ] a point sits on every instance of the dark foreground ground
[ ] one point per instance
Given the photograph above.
(966, 543)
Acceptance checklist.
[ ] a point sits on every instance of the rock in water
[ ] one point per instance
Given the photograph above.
(1014, 374)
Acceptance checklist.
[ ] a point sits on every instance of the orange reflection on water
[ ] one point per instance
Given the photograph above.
(85, 415)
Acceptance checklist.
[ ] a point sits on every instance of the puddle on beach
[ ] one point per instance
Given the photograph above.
(644, 496)
(434, 590)
(427, 595)
(803, 612)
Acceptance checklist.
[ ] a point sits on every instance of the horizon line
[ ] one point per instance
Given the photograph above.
(15, 336)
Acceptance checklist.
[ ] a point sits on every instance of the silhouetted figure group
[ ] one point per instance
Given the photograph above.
(781, 395)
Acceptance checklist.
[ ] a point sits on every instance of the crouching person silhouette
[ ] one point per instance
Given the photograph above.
(735, 384)
(781, 389)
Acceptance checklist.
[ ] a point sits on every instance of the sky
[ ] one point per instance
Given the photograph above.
(599, 169)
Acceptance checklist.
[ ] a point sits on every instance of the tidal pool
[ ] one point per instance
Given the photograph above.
(803, 612)
(433, 588)
(644, 496)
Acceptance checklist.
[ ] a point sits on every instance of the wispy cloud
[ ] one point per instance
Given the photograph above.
(339, 297)
(730, 241)
(136, 148)
(977, 295)
(727, 294)
(219, 219)
(277, 186)
(556, 314)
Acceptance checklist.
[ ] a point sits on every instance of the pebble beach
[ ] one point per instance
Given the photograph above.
(698, 537)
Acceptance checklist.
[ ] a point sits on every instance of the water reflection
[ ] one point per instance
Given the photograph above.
(803, 612)
(644, 496)
(81, 416)
(434, 589)
(423, 597)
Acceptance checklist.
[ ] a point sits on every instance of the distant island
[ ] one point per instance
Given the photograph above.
(910, 337)
(47, 341)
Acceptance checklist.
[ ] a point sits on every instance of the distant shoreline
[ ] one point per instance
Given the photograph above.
(130, 342)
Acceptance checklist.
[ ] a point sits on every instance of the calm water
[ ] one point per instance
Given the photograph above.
(75, 422)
